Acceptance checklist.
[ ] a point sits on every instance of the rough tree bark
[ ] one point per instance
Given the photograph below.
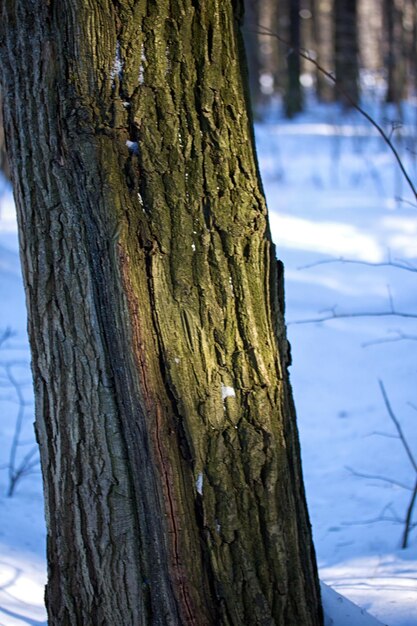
(4, 163)
(163, 409)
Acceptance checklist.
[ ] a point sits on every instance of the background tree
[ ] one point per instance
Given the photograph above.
(293, 93)
(394, 51)
(323, 49)
(346, 49)
(163, 409)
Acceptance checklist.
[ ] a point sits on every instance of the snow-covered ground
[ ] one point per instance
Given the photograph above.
(332, 187)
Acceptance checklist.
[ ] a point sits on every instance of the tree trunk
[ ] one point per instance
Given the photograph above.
(323, 33)
(346, 50)
(164, 415)
(394, 51)
(293, 95)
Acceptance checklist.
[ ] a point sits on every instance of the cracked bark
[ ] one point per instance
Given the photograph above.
(164, 413)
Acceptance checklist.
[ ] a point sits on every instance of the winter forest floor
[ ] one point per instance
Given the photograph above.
(331, 185)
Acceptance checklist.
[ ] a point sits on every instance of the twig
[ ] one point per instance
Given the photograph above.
(263, 30)
(18, 428)
(7, 333)
(397, 426)
(408, 525)
(403, 265)
(381, 518)
(18, 470)
(376, 477)
(380, 434)
(405, 201)
(400, 337)
(335, 316)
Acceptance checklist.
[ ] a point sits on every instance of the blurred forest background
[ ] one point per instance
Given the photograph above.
(368, 46)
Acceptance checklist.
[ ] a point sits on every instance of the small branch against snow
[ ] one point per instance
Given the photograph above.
(380, 518)
(5, 335)
(405, 201)
(18, 469)
(408, 521)
(400, 336)
(397, 426)
(377, 477)
(381, 434)
(397, 263)
(408, 526)
(228, 392)
(334, 315)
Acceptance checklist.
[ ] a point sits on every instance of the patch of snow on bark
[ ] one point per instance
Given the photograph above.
(227, 392)
(199, 484)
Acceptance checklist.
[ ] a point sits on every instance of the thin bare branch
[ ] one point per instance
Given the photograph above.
(408, 520)
(5, 335)
(26, 465)
(399, 265)
(380, 434)
(400, 337)
(405, 201)
(384, 479)
(333, 315)
(397, 426)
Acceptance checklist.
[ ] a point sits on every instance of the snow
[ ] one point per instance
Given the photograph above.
(117, 69)
(333, 191)
(199, 484)
(141, 77)
(133, 146)
(228, 392)
(339, 611)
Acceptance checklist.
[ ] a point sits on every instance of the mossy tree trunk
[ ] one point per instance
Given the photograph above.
(163, 410)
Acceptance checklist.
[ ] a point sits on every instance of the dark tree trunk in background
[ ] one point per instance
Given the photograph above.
(164, 415)
(323, 25)
(252, 46)
(293, 99)
(394, 47)
(346, 50)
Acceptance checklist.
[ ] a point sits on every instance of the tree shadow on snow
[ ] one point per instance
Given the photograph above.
(22, 618)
